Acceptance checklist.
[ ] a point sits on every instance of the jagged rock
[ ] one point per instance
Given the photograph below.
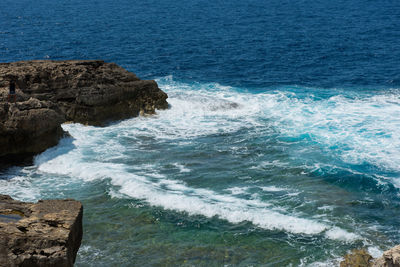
(52, 92)
(357, 258)
(47, 233)
(390, 258)
(90, 92)
(361, 258)
(28, 127)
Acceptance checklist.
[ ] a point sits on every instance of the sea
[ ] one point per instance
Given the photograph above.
(281, 145)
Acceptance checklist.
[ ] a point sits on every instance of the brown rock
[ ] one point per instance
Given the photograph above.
(28, 127)
(47, 233)
(390, 258)
(361, 258)
(52, 92)
(90, 92)
(357, 258)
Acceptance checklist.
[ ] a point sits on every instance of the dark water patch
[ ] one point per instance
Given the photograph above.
(11, 216)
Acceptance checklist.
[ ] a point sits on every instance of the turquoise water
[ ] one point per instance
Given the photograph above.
(281, 146)
(228, 176)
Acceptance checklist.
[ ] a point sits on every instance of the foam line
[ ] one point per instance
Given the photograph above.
(175, 195)
(354, 130)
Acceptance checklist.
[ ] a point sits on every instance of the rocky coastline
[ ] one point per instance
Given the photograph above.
(49, 93)
(91, 92)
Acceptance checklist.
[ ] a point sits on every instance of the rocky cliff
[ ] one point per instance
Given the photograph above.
(52, 92)
(47, 233)
(28, 127)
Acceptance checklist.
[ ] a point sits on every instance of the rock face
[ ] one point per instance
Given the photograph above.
(390, 258)
(52, 92)
(47, 233)
(361, 258)
(28, 127)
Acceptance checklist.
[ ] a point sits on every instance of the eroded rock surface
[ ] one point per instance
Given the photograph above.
(28, 127)
(357, 258)
(390, 258)
(52, 92)
(361, 258)
(47, 233)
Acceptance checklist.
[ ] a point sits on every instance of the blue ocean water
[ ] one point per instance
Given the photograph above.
(280, 148)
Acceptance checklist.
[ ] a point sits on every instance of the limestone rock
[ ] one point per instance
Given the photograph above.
(361, 258)
(90, 92)
(390, 258)
(357, 258)
(28, 127)
(47, 233)
(52, 92)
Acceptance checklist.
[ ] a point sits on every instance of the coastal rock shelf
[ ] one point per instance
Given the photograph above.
(47, 233)
(52, 92)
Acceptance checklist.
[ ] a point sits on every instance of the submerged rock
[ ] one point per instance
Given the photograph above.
(47, 233)
(52, 92)
(361, 258)
(357, 258)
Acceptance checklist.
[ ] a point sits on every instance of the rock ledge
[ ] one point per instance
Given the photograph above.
(49, 93)
(47, 233)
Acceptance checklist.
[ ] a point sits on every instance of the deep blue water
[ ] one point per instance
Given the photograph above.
(241, 43)
(281, 146)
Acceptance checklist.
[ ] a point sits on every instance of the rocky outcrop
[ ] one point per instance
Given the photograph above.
(47, 233)
(390, 258)
(361, 258)
(52, 92)
(28, 127)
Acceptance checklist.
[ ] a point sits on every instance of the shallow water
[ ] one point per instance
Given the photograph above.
(280, 148)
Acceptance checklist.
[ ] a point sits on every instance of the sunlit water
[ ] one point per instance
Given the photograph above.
(229, 176)
(281, 146)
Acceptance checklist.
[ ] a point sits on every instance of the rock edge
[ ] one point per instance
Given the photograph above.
(361, 258)
(46, 233)
(49, 93)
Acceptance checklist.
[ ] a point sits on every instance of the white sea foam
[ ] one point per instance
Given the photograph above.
(181, 167)
(375, 252)
(274, 163)
(19, 187)
(358, 130)
(171, 194)
(175, 195)
(355, 130)
(340, 234)
(89, 253)
(335, 261)
(326, 207)
(272, 188)
(237, 190)
(207, 203)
